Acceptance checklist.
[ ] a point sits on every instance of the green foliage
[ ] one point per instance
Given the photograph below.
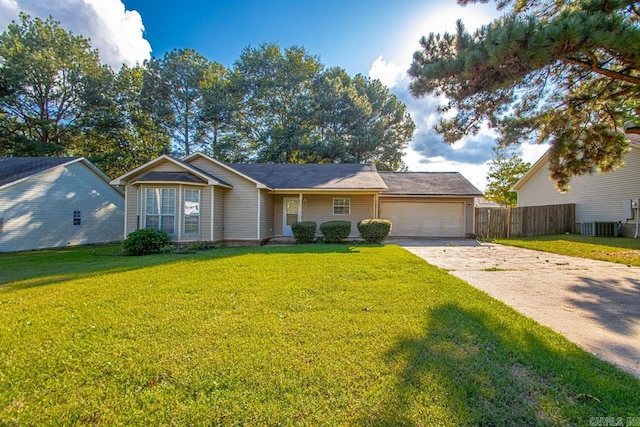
(145, 242)
(173, 90)
(304, 231)
(374, 230)
(46, 74)
(564, 72)
(274, 105)
(295, 111)
(322, 334)
(507, 167)
(335, 231)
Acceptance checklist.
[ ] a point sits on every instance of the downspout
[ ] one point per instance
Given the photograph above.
(637, 219)
(126, 190)
(300, 207)
(259, 200)
(213, 221)
(180, 211)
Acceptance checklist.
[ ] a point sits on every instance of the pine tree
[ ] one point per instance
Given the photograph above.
(558, 71)
(507, 167)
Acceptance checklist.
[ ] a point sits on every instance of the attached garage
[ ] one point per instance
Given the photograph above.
(424, 219)
(428, 204)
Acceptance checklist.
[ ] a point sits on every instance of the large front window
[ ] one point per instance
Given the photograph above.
(191, 211)
(160, 209)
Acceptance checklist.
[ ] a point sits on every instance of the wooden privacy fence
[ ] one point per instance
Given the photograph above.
(525, 221)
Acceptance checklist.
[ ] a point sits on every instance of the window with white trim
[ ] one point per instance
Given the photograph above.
(341, 206)
(160, 209)
(191, 211)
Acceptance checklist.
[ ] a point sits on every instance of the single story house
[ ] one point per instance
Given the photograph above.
(49, 202)
(599, 197)
(202, 199)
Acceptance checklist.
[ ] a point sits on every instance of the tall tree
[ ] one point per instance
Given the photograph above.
(276, 86)
(45, 71)
(562, 71)
(120, 134)
(173, 89)
(220, 114)
(507, 167)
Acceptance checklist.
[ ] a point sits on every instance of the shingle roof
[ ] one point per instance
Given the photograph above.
(169, 177)
(345, 176)
(15, 168)
(428, 184)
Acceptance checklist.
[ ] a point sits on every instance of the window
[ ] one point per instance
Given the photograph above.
(160, 209)
(1, 224)
(77, 218)
(341, 206)
(191, 211)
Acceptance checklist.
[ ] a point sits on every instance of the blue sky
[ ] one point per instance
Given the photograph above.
(374, 38)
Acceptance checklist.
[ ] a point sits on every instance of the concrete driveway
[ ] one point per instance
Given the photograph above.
(595, 304)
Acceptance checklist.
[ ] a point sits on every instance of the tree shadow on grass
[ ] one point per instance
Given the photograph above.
(40, 268)
(472, 369)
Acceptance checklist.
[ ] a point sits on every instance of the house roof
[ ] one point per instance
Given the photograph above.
(189, 170)
(428, 184)
(16, 168)
(343, 176)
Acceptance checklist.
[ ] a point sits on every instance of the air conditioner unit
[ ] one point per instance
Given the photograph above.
(599, 229)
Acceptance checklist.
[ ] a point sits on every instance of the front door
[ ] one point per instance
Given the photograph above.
(290, 214)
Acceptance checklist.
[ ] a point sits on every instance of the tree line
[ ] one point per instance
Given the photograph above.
(273, 105)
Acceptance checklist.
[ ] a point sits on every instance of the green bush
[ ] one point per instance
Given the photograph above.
(304, 231)
(335, 231)
(144, 242)
(374, 230)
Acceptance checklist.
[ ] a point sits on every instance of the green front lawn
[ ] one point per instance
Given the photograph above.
(622, 250)
(307, 335)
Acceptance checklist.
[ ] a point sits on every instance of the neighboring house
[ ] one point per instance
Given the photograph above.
(201, 198)
(48, 202)
(598, 196)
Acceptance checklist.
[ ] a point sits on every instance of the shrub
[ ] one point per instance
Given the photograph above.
(374, 230)
(304, 231)
(144, 242)
(335, 231)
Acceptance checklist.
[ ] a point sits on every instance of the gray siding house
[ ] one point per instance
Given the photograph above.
(599, 197)
(49, 202)
(202, 199)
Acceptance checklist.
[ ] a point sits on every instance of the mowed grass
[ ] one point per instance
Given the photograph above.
(622, 250)
(299, 335)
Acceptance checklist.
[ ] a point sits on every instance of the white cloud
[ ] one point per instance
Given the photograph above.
(427, 151)
(388, 73)
(117, 33)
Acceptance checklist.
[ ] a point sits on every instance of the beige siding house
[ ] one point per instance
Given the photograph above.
(599, 197)
(201, 199)
(57, 201)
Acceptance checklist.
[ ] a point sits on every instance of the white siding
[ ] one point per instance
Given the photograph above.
(598, 197)
(38, 212)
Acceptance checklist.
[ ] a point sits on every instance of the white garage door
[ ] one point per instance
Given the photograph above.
(424, 218)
